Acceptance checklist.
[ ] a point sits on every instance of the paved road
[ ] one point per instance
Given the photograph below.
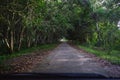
(66, 59)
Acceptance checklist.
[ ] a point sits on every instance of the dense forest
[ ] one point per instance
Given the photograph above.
(28, 23)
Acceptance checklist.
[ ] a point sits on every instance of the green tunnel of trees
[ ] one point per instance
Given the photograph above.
(28, 23)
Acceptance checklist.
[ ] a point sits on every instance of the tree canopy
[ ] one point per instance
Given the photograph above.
(27, 23)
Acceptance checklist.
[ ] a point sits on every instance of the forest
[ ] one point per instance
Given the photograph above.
(29, 23)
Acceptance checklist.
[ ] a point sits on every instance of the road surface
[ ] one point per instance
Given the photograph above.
(66, 59)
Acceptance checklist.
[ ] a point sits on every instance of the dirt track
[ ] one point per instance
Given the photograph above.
(66, 59)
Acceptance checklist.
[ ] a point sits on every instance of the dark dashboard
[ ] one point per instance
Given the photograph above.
(55, 76)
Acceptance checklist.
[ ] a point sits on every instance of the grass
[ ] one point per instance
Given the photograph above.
(27, 51)
(114, 57)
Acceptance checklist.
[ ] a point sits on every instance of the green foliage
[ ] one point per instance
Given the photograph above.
(29, 23)
(105, 32)
(27, 51)
(113, 58)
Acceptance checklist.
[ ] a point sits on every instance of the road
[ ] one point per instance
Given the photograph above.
(66, 59)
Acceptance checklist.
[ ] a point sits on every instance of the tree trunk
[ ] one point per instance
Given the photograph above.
(20, 39)
(11, 41)
(7, 43)
(98, 32)
(29, 42)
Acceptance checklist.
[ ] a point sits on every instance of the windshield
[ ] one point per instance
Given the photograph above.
(60, 36)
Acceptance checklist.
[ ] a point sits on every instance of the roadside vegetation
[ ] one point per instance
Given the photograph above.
(114, 57)
(28, 51)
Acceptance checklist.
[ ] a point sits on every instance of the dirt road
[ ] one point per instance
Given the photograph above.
(66, 59)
